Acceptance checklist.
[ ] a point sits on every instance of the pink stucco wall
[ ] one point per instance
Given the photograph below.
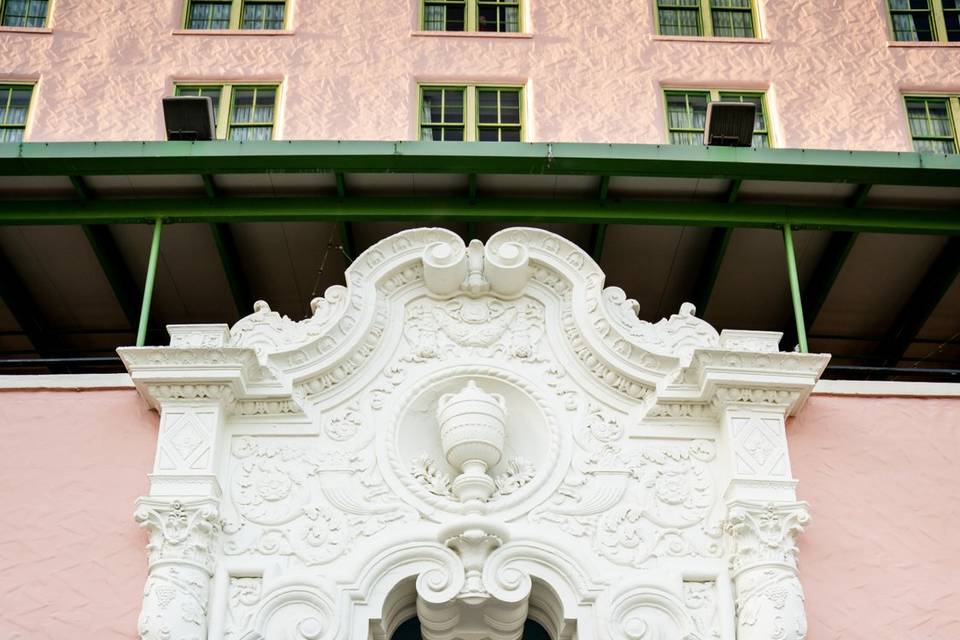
(72, 561)
(594, 70)
(879, 561)
(881, 558)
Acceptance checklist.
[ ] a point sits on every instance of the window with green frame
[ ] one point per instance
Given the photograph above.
(716, 18)
(687, 114)
(236, 14)
(925, 20)
(933, 122)
(455, 113)
(14, 109)
(501, 16)
(23, 13)
(251, 114)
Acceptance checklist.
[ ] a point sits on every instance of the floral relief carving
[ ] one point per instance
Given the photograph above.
(641, 504)
(305, 503)
(464, 327)
(345, 425)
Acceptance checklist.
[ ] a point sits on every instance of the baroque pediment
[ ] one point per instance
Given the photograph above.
(473, 434)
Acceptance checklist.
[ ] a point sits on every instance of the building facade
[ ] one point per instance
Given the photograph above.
(831, 75)
(466, 440)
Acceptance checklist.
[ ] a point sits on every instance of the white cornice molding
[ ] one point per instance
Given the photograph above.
(68, 382)
(887, 388)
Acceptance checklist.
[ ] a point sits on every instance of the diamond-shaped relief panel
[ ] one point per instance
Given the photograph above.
(185, 443)
(758, 448)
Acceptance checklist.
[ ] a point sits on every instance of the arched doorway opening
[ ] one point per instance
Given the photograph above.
(410, 630)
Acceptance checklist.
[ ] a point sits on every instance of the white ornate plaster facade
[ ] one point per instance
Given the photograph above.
(472, 435)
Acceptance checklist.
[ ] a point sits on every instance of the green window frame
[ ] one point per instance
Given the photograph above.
(498, 16)
(924, 20)
(24, 13)
(453, 113)
(686, 112)
(15, 102)
(710, 18)
(933, 122)
(251, 112)
(236, 14)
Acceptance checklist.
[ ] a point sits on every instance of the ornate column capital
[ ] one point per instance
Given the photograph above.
(763, 534)
(763, 565)
(180, 531)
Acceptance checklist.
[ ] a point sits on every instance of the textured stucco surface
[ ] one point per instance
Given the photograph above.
(72, 560)
(594, 71)
(881, 557)
(879, 560)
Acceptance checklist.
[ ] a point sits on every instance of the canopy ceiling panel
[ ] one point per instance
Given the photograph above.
(667, 188)
(405, 184)
(926, 355)
(579, 234)
(877, 279)
(944, 323)
(191, 285)
(62, 276)
(36, 187)
(369, 233)
(752, 290)
(288, 263)
(143, 186)
(906, 195)
(534, 185)
(808, 192)
(657, 266)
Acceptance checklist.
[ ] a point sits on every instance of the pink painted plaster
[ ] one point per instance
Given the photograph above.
(72, 560)
(594, 71)
(881, 558)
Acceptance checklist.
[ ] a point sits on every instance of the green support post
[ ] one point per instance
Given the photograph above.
(148, 284)
(795, 288)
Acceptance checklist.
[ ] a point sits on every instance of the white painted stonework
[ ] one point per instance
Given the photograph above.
(475, 436)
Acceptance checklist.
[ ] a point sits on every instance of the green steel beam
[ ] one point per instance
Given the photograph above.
(859, 195)
(341, 184)
(821, 281)
(733, 191)
(108, 254)
(678, 161)
(710, 268)
(922, 303)
(232, 267)
(604, 187)
(347, 242)
(795, 288)
(148, 283)
(27, 314)
(80, 186)
(209, 185)
(472, 187)
(598, 234)
(417, 209)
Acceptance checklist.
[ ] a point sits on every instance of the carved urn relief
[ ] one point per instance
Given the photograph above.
(472, 432)
(473, 435)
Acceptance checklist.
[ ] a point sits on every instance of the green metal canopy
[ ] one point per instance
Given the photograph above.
(357, 184)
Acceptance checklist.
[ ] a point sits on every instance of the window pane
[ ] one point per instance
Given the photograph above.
(487, 106)
(262, 15)
(951, 18)
(510, 135)
(732, 24)
(509, 107)
(209, 15)
(488, 135)
(444, 16)
(912, 20)
(14, 135)
(453, 106)
(24, 13)
(251, 133)
(242, 105)
(498, 15)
